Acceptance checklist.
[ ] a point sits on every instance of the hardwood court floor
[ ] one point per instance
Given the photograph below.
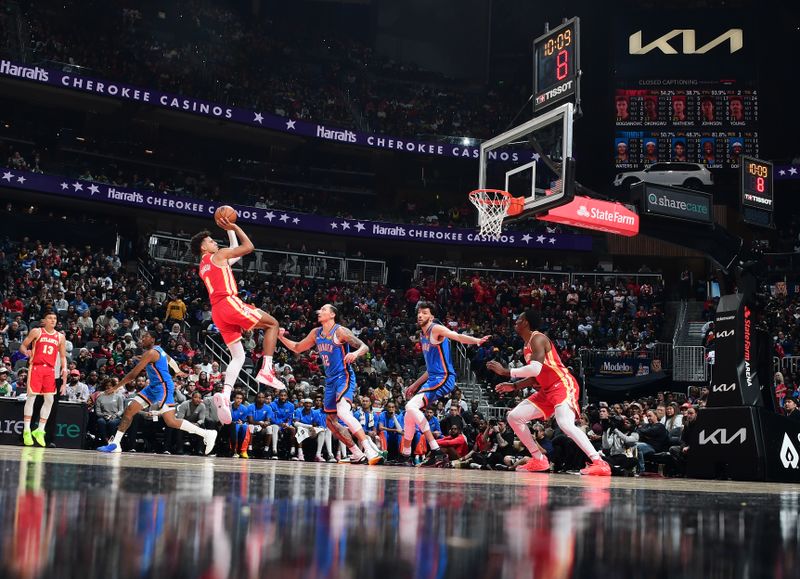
(82, 514)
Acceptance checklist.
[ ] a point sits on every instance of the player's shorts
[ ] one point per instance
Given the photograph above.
(343, 388)
(42, 379)
(158, 396)
(547, 398)
(436, 387)
(232, 317)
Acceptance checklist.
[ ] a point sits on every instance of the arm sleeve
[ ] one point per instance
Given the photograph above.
(530, 370)
(447, 441)
(234, 242)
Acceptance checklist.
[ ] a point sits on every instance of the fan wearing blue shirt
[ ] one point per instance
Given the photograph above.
(240, 427)
(261, 419)
(309, 418)
(284, 418)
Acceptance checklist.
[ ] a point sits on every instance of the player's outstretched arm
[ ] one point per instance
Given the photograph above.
(234, 252)
(440, 332)
(149, 357)
(233, 243)
(24, 347)
(297, 347)
(360, 348)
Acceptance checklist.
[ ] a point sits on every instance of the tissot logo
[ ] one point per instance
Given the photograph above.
(723, 387)
(722, 436)
(735, 37)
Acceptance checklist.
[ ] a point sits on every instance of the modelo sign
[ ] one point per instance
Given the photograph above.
(675, 202)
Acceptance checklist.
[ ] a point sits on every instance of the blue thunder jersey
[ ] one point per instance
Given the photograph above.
(240, 413)
(158, 371)
(312, 418)
(437, 356)
(332, 355)
(261, 414)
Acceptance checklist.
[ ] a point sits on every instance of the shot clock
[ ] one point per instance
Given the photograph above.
(756, 191)
(556, 66)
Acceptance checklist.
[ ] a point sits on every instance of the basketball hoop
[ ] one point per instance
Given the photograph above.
(493, 206)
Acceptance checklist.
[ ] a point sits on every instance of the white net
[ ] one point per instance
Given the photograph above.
(492, 206)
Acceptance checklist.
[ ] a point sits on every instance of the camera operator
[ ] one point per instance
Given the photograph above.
(619, 443)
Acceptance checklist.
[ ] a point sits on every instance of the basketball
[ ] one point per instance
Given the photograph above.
(225, 212)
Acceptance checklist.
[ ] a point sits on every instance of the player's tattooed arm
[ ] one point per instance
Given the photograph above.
(359, 348)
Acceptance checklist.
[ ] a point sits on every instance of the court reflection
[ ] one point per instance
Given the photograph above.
(108, 520)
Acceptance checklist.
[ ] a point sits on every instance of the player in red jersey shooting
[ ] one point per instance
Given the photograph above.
(43, 346)
(230, 314)
(556, 394)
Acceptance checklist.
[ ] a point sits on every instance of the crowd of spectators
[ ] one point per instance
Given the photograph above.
(207, 51)
(260, 193)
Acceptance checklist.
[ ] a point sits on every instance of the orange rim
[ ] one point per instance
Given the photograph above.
(514, 204)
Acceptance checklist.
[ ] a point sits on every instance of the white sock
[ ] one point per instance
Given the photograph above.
(356, 452)
(187, 426)
(433, 444)
(28, 412)
(267, 364)
(329, 442)
(117, 438)
(320, 442)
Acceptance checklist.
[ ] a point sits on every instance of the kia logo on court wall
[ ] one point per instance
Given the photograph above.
(734, 36)
(723, 387)
(721, 436)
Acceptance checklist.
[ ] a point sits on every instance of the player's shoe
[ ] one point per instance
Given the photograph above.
(345, 460)
(598, 467)
(38, 436)
(209, 438)
(27, 439)
(223, 404)
(111, 448)
(319, 458)
(374, 460)
(402, 461)
(244, 454)
(332, 460)
(536, 465)
(436, 458)
(268, 378)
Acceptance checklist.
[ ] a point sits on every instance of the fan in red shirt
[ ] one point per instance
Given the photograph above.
(455, 444)
(230, 314)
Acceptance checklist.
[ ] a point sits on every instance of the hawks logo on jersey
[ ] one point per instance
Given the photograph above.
(219, 281)
(553, 369)
(46, 348)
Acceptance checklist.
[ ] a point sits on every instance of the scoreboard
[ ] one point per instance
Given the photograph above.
(556, 66)
(714, 126)
(756, 192)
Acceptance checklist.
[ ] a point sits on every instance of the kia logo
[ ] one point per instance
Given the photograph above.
(724, 333)
(735, 36)
(723, 387)
(721, 436)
